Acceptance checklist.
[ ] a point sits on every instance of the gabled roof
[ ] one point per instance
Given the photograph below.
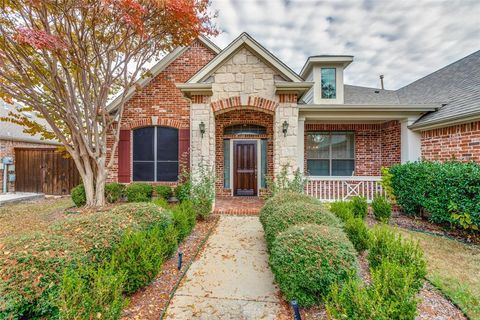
(456, 86)
(158, 68)
(245, 41)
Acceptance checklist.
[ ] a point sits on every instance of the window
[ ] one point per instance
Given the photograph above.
(330, 153)
(155, 154)
(245, 129)
(329, 86)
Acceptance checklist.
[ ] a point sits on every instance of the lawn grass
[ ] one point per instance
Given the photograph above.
(454, 268)
(20, 218)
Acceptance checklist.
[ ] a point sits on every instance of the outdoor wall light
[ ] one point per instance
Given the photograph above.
(202, 128)
(284, 128)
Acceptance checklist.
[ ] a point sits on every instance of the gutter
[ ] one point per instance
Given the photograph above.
(446, 122)
(368, 107)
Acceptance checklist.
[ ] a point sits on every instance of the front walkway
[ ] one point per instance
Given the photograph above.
(12, 197)
(231, 279)
(238, 205)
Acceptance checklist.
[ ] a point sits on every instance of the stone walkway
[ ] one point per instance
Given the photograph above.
(231, 279)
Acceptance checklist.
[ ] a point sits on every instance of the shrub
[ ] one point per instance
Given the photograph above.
(91, 291)
(32, 271)
(139, 192)
(358, 233)
(203, 192)
(382, 209)
(385, 245)
(184, 219)
(114, 191)
(391, 295)
(342, 209)
(182, 191)
(359, 207)
(164, 192)
(162, 203)
(282, 197)
(78, 195)
(140, 255)
(282, 182)
(294, 213)
(307, 259)
(433, 187)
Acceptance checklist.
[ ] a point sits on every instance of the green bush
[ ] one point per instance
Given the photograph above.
(78, 195)
(283, 182)
(161, 202)
(391, 295)
(91, 293)
(342, 209)
(140, 255)
(184, 219)
(164, 192)
(359, 207)
(282, 197)
(294, 213)
(358, 233)
(203, 191)
(182, 191)
(32, 271)
(385, 245)
(307, 259)
(139, 192)
(114, 191)
(382, 209)
(434, 187)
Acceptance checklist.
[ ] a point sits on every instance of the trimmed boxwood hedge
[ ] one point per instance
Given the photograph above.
(307, 259)
(281, 197)
(32, 270)
(298, 212)
(435, 188)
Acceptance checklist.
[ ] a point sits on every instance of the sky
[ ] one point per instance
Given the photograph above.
(401, 39)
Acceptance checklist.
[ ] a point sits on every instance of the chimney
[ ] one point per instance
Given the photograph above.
(381, 81)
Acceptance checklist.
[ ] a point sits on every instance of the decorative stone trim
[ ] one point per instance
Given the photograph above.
(250, 102)
(288, 98)
(199, 99)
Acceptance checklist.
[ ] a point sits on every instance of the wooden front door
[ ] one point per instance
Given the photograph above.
(245, 168)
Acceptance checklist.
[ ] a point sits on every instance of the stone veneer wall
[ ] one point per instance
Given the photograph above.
(285, 147)
(460, 142)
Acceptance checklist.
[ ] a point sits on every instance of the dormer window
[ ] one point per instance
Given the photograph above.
(328, 80)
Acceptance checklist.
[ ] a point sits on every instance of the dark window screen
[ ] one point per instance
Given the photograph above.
(163, 159)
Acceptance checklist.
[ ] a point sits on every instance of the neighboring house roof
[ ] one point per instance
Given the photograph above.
(456, 86)
(245, 40)
(14, 132)
(364, 95)
(158, 68)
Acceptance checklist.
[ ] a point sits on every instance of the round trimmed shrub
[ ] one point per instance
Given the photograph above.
(272, 204)
(382, 209)
(114, 191)
(359, 207)
(307, 259)
(182, 191)
(78, 195)
(139, 192)
(164, 192)
(358, 233)
(298, 212)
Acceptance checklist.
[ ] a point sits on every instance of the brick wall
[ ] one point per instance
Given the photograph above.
(240, 117)
(161, 98)
(7, 149)
(376, 145)
(460, 142)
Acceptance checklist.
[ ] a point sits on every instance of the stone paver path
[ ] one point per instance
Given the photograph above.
(231, 279)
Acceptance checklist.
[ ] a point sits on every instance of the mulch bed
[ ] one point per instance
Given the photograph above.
(151, 301)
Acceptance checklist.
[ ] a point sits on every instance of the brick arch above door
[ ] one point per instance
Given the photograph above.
(242, 103)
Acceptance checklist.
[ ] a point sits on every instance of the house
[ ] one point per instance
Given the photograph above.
(29, 163)
(245, 114)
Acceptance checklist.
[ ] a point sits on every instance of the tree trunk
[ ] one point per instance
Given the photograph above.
(100, 183)
(94, 177)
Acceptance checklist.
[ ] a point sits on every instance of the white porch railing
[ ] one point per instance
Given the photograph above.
(343, 188)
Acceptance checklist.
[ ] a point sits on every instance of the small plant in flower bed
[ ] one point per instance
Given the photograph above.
(359, 207)
(162, 203)
(391, 295)
(114, 191)
(294, 213)
(382, 209)
(385, 245)
(283, 183)
(78, 195)
(32, 270)
(182, 191)
(282, 197)
(358, 233)
(184, 218)
(139, 192)
(203, 191)
(307, 259)
(164, 192)
(342, 209)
